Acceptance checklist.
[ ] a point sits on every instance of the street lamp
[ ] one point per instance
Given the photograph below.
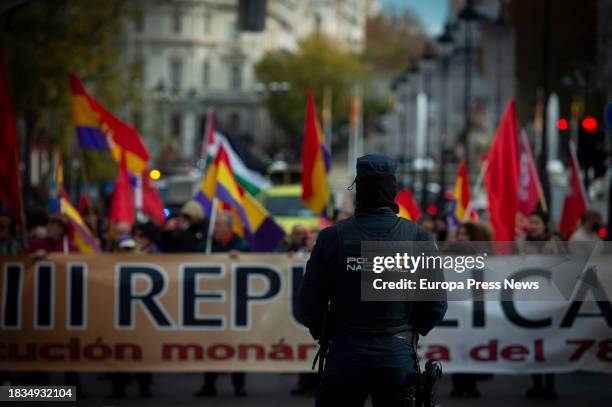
(427, 62)
(412, 76)
(468, 14)
(445, 46)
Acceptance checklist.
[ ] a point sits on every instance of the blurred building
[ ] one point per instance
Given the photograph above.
(193, 56)
(441, 82)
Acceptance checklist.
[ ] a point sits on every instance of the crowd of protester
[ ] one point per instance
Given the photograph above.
(187, 230)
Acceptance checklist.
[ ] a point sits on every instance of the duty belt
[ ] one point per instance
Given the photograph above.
(407, 335)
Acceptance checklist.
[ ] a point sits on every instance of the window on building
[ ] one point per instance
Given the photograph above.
(139, 23)
(235, 31)
(236, 76)
(177, 20)
(318, 22)
(207, 22)
(176, 123)
(176, 74)
(143, 72)
(206, 74)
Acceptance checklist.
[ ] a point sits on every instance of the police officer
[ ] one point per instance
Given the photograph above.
(371, 344)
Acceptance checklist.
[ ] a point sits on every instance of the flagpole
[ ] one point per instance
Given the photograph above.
(65, 247)
(211, 225)
(85, 180)
(138, 197)
(327, 117)
(477, 188)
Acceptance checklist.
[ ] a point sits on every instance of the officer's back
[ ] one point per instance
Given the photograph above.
(370, 350)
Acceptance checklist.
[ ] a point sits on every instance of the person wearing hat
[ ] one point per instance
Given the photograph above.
(188, 233)
(54, 242)
(371, 344)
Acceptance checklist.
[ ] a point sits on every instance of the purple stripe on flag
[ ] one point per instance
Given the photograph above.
(87, 237)
(267, 236)
(326, 158)
(204, 201)
(92, 137)
(227, 198)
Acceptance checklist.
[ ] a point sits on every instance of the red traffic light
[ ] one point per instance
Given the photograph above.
(562, 124)
(602, 232)
(432, 209)
(589, 124)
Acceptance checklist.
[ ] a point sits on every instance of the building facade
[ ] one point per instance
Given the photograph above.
(193, 56)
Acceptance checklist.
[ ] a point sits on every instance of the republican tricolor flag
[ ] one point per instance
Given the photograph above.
(315, 162)
(408, 208)
(251, 221)
(100, 130)
(462, 195)
(78, 232)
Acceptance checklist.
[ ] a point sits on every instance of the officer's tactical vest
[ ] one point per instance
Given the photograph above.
(348, 313)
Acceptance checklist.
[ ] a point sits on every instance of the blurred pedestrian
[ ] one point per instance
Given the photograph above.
(56, 239)
(295, 241)
(427, 224)
(146, 236)
(119, 381)
(224, 240)
(538, 230)
(590, 224)
(465, 384)
(9, 245)
(187, 233)
(441, 228)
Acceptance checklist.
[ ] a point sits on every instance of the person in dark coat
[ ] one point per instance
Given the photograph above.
(371, 343)
(224, 240)
(186, 233)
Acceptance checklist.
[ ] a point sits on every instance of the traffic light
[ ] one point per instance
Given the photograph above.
(589, 124)
(592, 152)
(252, 15)
(562, 124)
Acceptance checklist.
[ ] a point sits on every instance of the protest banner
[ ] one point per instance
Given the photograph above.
(194, 313)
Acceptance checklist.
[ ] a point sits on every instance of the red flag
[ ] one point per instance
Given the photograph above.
(408, 208)
(122, 204)
(83, 204)
(152, 204)
(530, 189)
(10, 191)
(575, 202)
(502, 176)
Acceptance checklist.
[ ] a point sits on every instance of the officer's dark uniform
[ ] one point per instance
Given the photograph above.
(367, 355)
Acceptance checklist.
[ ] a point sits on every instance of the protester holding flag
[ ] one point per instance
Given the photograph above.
(224, 240)
(186, 232)
(56, 240)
